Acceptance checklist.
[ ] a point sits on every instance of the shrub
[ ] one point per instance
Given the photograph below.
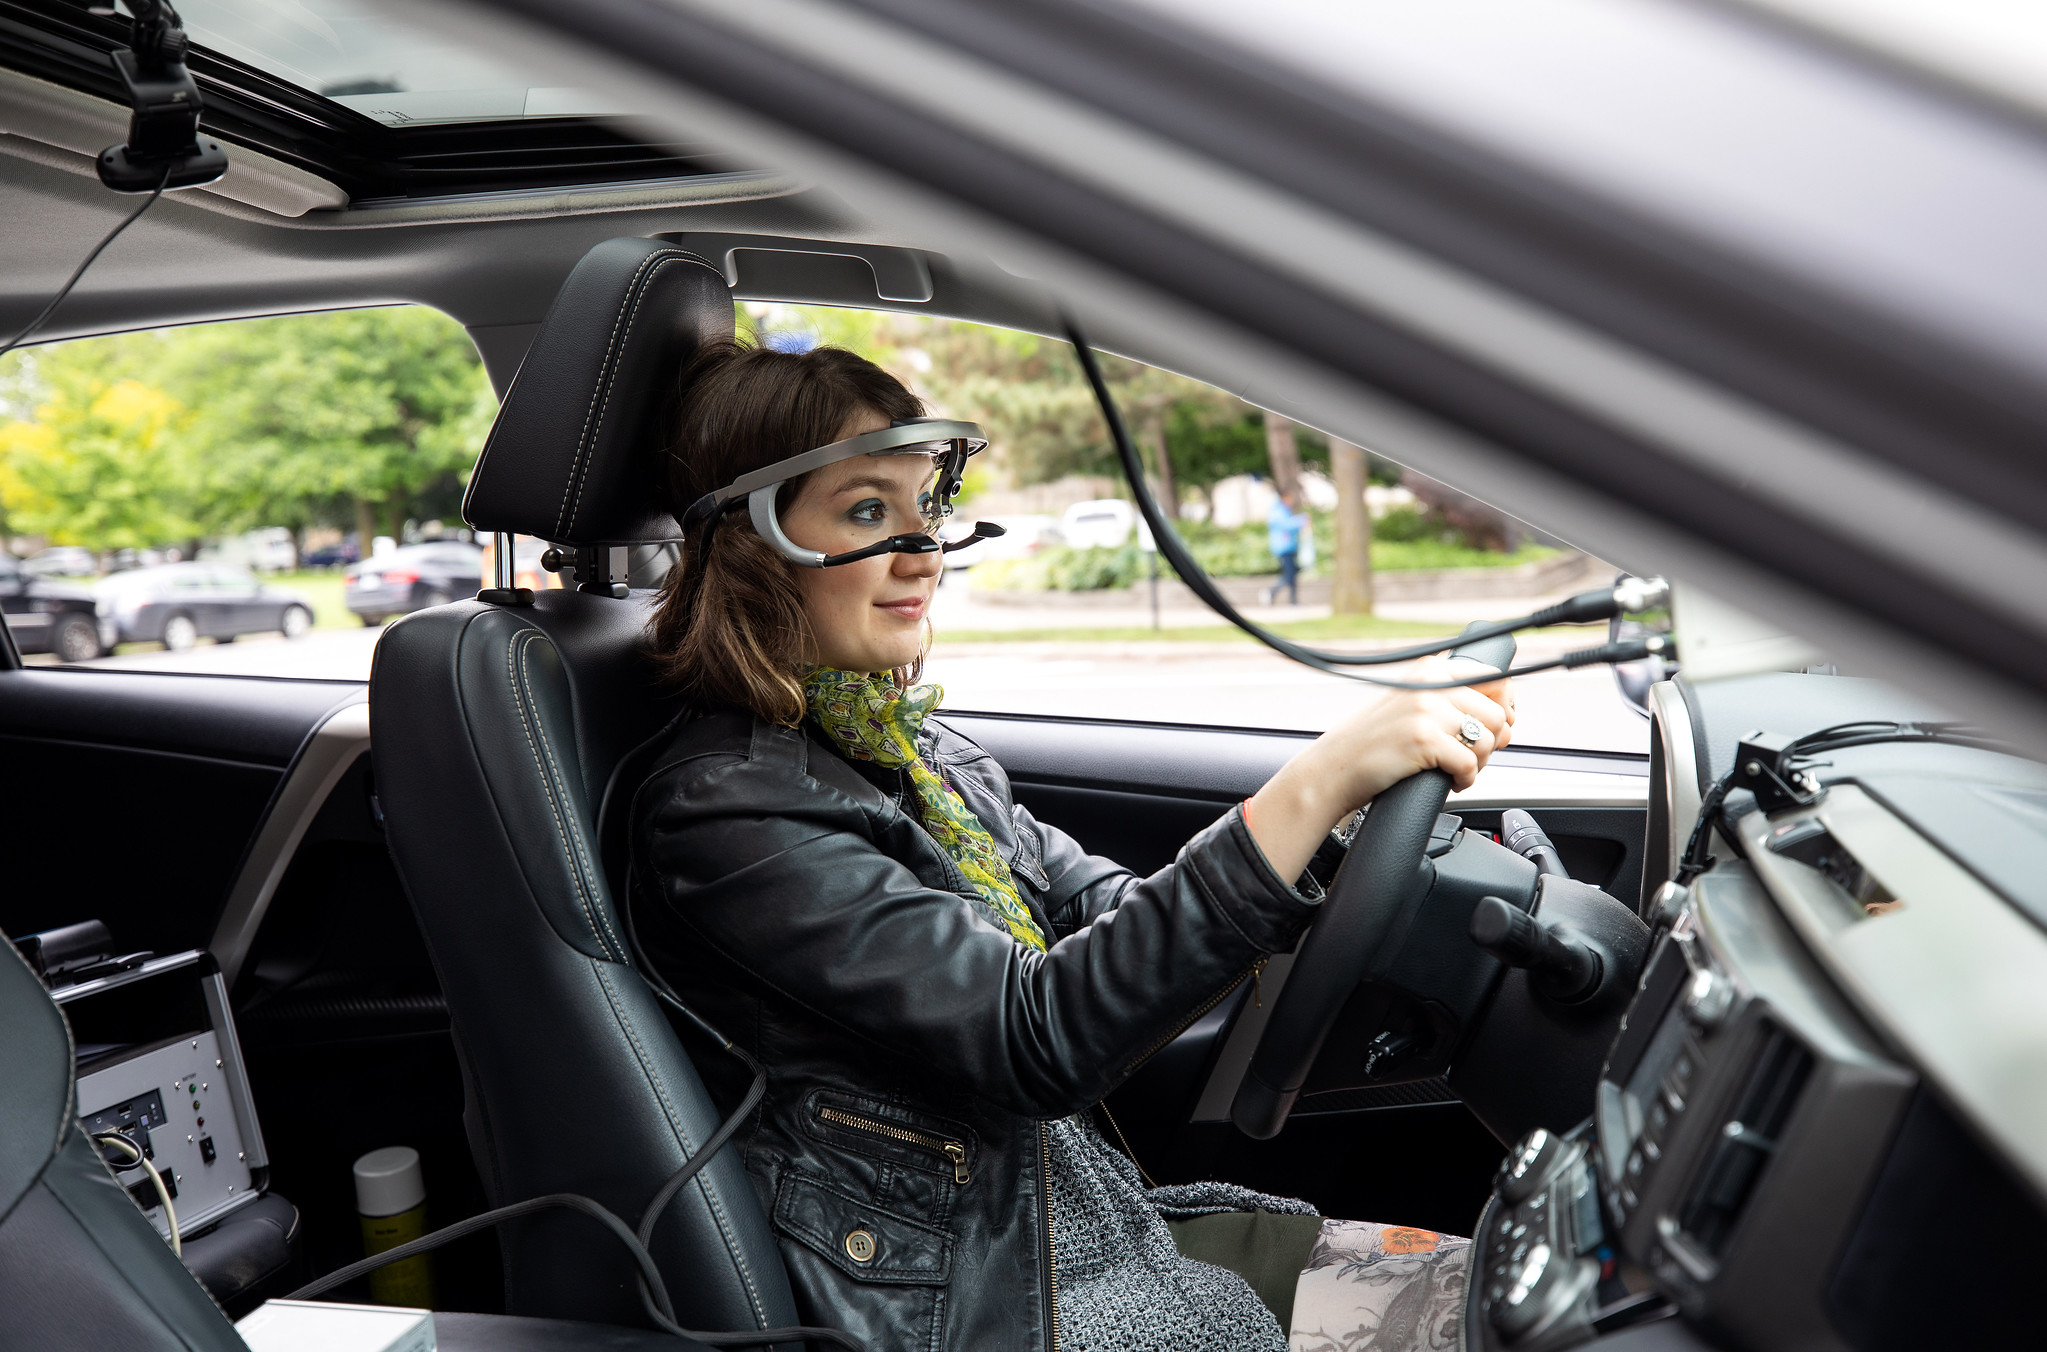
(1403, 525)
(1069, 569)
(1415, 540)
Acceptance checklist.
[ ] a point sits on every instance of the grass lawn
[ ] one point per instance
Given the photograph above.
(322, 591)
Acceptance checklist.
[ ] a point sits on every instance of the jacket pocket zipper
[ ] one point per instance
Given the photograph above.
(1051, 1244)
(955, 1151)
(1254, 971)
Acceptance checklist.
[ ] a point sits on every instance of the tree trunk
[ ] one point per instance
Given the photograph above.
(1284, 452)
(1153, 435)
(1350, 590)
(365, 526)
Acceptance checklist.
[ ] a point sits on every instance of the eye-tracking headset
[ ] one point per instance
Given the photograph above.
(947, 442)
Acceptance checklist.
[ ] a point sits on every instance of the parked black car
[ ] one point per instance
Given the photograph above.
(177, 604)
(48, 616)
(412, 577)
(332, 556)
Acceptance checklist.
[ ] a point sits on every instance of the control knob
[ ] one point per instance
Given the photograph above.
(1709, 999)
(1528, 1165)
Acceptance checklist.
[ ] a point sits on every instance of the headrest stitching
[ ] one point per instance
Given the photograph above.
(600, 397)
(582, 475)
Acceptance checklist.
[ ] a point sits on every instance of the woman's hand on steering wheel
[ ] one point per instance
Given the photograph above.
(1405, 732)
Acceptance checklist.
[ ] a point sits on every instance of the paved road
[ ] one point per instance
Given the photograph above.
(1581, 709)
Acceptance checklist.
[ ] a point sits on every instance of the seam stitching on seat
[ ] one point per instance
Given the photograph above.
(587, 870)
(603, 382)
(711, 1199)
(513, 669)
(600, 400)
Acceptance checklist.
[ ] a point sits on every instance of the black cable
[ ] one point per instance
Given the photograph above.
(1578, 609)
(654, 1291)
(654, 1297)
(755, 1092)
(1696, 858)
(65, 290)
(649, 1273)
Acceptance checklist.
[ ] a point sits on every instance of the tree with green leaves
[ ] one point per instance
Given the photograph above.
(291, 421)
(303, 414)
(100, 464)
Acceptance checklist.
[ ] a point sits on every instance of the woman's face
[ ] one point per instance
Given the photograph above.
(866, 616)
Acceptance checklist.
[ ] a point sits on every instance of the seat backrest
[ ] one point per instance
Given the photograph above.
(494, 730)
(80, 1269)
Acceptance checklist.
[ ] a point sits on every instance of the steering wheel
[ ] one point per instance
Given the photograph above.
(1377, 892)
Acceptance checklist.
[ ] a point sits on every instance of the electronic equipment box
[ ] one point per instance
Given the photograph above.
(159, 1064)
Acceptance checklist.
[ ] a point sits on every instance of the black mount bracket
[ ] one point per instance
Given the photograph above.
(163, 145)
(593, 573)
(1765, 765)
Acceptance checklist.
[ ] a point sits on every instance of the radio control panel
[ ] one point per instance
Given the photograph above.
(1742, 1112)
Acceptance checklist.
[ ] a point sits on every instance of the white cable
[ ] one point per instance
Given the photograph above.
(163, 1192)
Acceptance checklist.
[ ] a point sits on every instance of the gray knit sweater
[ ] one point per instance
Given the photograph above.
(1121, 1284)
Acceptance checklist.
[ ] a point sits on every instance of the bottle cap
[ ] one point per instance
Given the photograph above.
(389, 1181)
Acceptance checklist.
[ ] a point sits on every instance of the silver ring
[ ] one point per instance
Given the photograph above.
(1470, 732)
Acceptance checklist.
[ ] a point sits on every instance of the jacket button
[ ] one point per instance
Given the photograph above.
(860, 1246)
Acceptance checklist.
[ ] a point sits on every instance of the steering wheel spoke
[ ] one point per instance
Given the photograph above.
(1371, 905)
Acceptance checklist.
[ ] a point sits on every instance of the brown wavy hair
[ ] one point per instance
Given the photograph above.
(737, 636)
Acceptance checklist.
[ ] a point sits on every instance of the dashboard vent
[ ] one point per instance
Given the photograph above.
(1746, 1142)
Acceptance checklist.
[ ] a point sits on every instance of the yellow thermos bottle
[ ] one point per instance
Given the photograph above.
(390, 1199)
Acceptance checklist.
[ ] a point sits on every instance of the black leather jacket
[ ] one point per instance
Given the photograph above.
(912, 1046)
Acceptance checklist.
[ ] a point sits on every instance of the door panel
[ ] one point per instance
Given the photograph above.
(1136, 793)
(130, 797)
(144, 793)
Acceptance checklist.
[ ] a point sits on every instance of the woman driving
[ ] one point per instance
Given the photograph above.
(942, 989)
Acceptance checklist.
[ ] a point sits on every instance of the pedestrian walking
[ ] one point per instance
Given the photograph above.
(1284, 525)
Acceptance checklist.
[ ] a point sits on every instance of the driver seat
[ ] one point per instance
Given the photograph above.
(497, 728)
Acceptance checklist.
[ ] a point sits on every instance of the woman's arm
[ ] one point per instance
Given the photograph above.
(1294, 812)
(785, 882)
(1376, 748)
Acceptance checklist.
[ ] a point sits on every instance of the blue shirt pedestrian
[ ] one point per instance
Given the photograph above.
(1283, 527)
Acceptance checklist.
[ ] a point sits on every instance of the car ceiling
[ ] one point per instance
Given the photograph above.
(1701, 294)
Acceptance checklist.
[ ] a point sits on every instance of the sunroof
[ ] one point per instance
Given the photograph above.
(384, 69)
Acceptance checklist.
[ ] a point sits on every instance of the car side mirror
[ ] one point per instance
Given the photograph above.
(1635, 678)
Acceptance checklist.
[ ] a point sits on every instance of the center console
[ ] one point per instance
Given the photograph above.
(1740, 1115)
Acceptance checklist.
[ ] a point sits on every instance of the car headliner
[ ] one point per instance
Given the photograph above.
(1441, 248)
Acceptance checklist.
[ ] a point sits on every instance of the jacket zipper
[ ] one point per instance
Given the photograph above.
(952, 1150)
(1117, 1127)
(1254, 971)
(1051, 1245)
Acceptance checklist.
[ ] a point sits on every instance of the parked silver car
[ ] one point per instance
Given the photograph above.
(177, 604)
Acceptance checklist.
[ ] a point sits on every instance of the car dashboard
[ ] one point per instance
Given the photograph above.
(1825, 1090)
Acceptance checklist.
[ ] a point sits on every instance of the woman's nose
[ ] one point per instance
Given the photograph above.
(918, 565)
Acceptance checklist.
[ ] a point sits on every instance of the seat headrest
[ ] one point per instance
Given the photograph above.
(575, 453)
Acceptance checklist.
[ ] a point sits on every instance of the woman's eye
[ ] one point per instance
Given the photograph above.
(870, 513)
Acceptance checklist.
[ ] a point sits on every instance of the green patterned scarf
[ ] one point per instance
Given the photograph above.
(868, 719)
